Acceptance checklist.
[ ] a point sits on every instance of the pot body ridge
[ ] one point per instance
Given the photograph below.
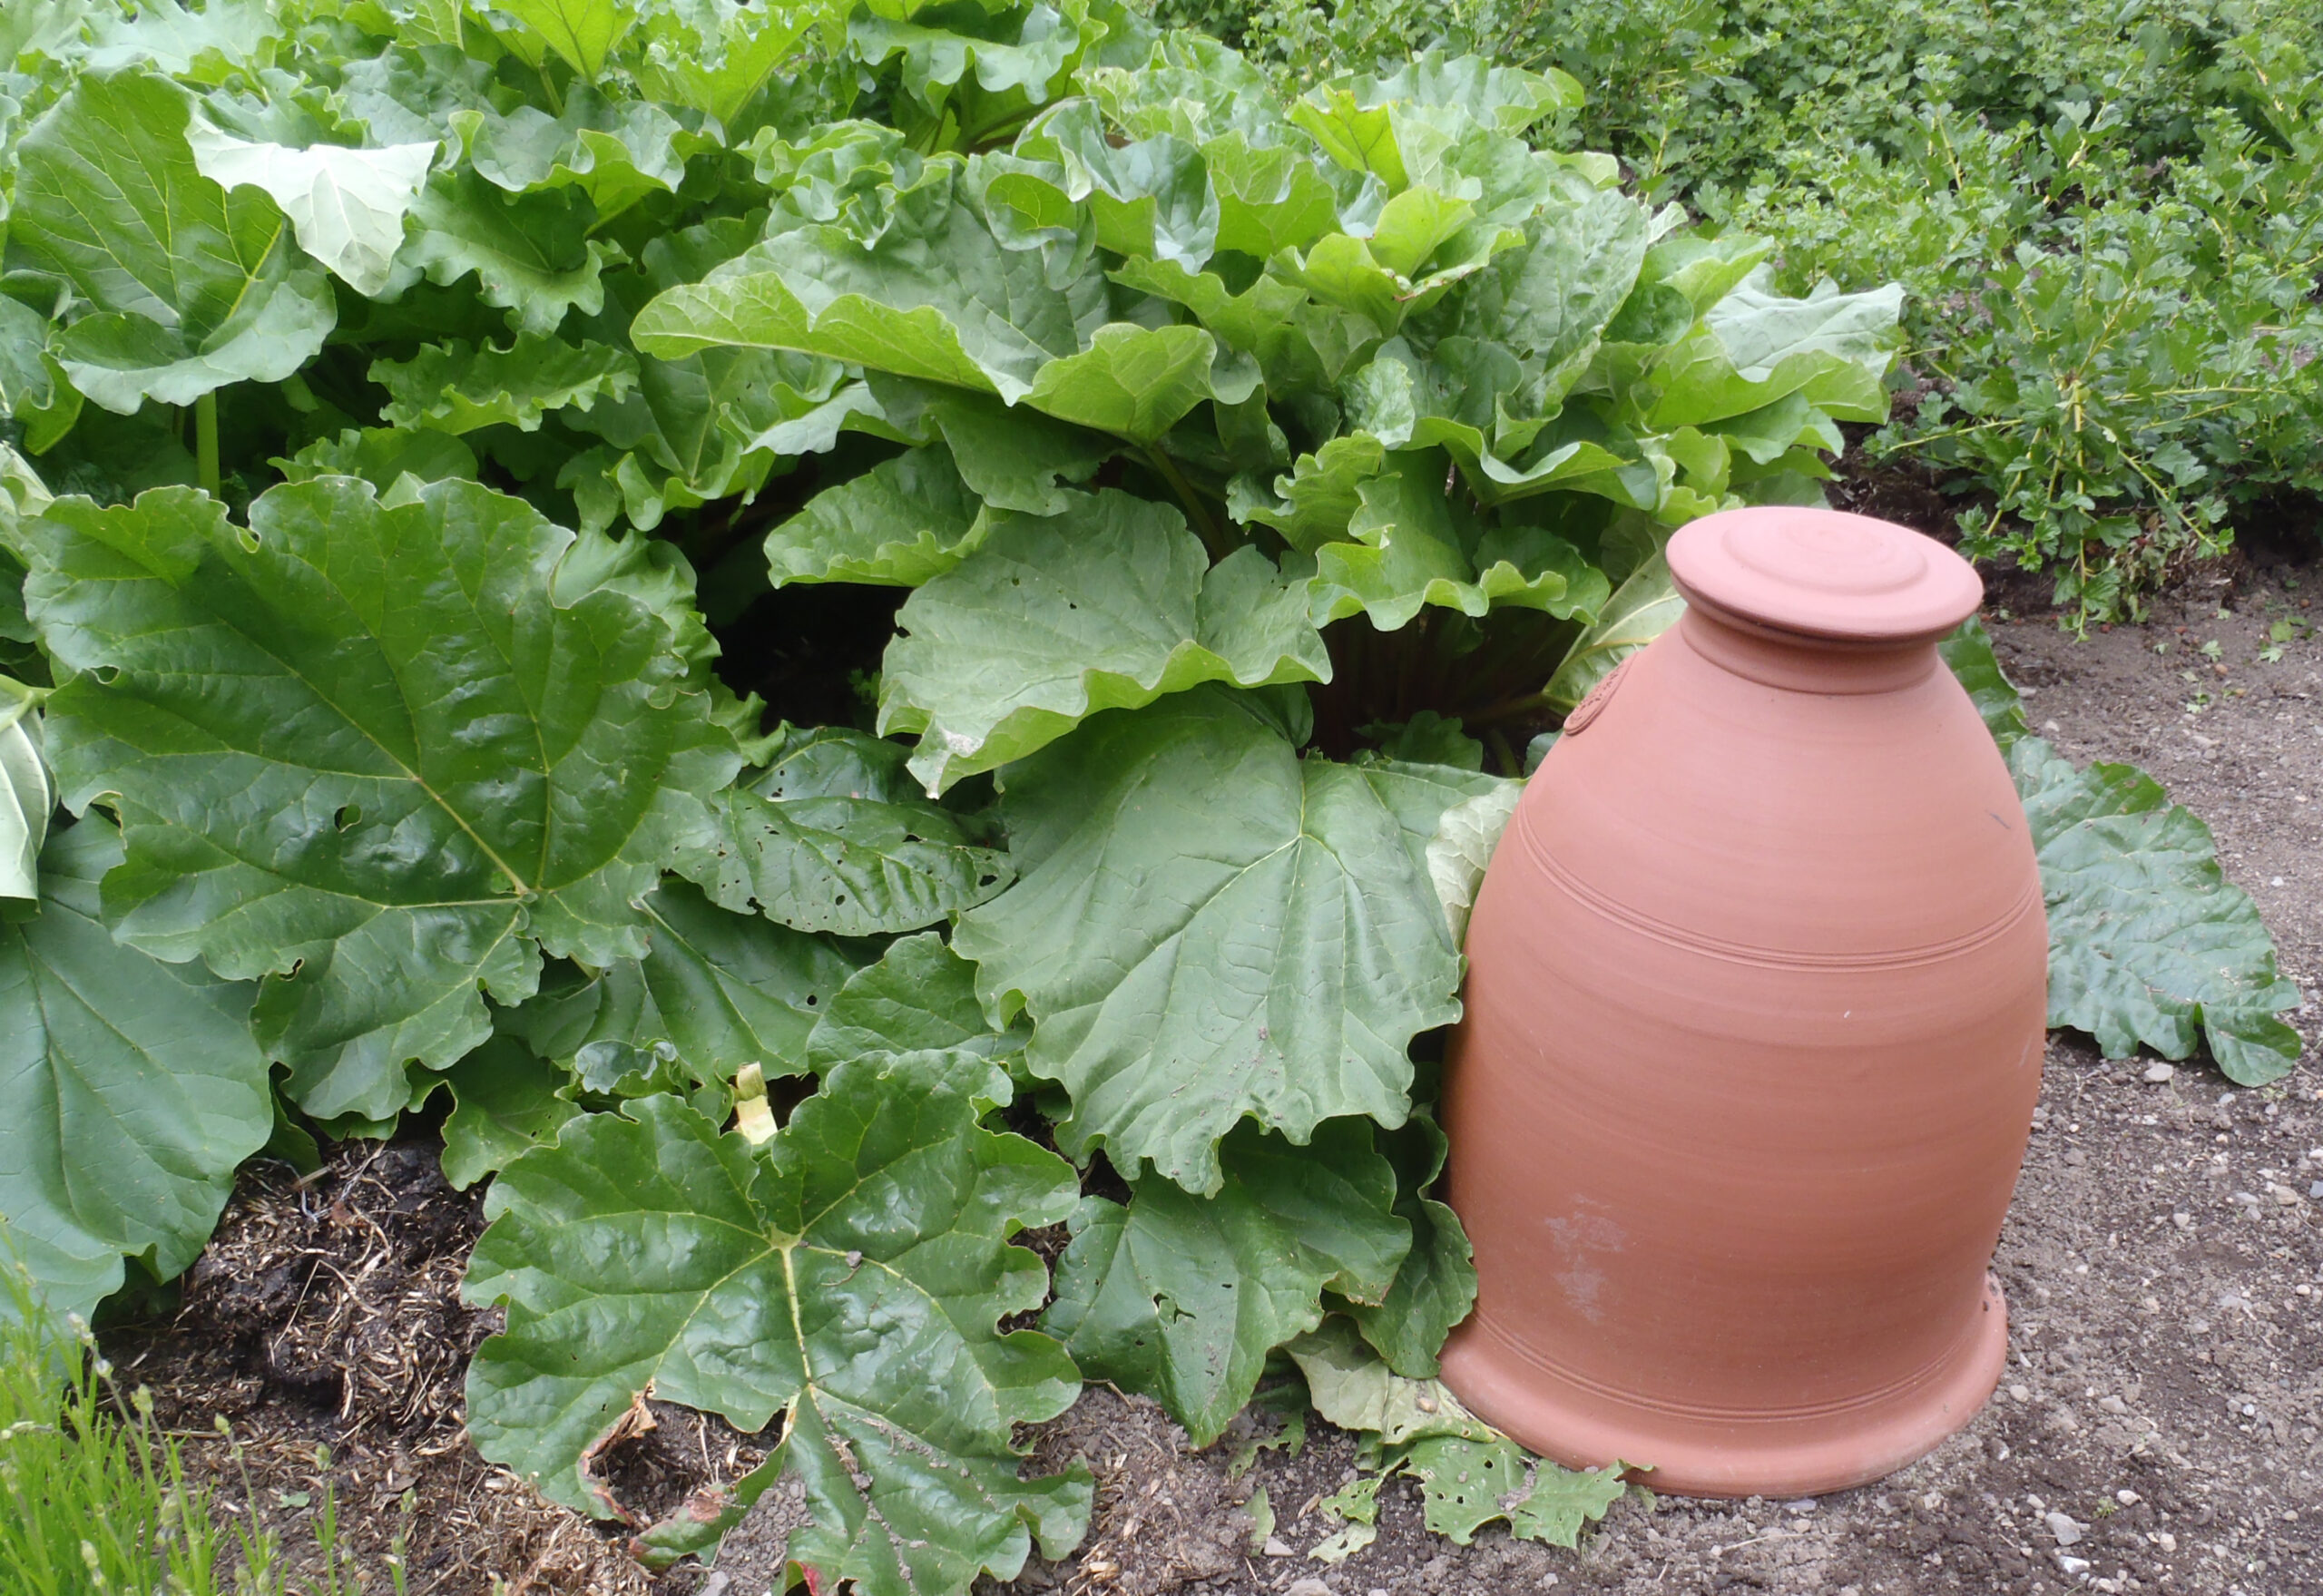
(1754, 1021)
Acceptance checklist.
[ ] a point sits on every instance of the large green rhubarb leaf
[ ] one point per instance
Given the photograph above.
(935, 297)
(167, 36)
(833, 836)
(190, 286)
(1209, 928)
(1754, 346)
(1436, 1285)
(938, 297)
(714, 55)
(1051, 619)
(692, 430)
(1181, 1296)
(505, 1102)
(846, 1275)
(898, 523)
(713, 991)
(130, 1089)
(616, 154)
(346, 206)
(459, 387)
(2148, 944)
(583, 32)
(1413, 546)
(531, 254)
(364, 749)
(921, 997)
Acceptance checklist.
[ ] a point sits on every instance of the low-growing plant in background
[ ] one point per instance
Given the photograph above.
(2120, 354)
(840, 636)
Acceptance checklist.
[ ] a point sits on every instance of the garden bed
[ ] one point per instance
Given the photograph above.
(2161, 1345)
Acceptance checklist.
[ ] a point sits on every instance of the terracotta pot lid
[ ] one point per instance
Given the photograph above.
(1824, 573)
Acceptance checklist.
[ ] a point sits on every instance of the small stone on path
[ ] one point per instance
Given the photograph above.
(2063, 1528)
(1278, 1547)
(1308, 1587)
(2159, 1073)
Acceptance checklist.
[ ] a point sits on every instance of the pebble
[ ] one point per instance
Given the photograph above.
(1278, 1547)
(2127, 1498)
(2076, 1158)
(2113, 1405)
(1308, 1587)
(2020, 1393)
(2166, 1540)
(2315, 1190)
(2063, 1528)
(1804, 1504)
(715, 1585)
(2074, 1566)
(2159, 1073)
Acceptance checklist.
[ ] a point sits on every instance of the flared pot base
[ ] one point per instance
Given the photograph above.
(1695, 1453)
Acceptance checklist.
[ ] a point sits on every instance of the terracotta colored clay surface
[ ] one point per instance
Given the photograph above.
(1754, 1028)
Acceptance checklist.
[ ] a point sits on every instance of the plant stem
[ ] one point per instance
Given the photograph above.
(205, 441)
(1197, 513)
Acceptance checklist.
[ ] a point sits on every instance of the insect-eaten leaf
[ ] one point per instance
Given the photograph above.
(846, 1275)
(369, 749)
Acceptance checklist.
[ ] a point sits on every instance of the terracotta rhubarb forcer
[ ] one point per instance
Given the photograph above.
(1753, 1036)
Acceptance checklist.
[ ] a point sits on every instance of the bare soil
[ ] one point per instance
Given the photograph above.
(2163, 1263)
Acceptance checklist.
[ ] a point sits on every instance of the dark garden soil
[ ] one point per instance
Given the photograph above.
(2163, 1264)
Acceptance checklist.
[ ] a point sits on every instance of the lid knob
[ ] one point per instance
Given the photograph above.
(1823, 573)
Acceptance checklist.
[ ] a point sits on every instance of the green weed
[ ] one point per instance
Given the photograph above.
(100, 1501)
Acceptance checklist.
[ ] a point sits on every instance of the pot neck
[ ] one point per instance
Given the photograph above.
(1799, 663)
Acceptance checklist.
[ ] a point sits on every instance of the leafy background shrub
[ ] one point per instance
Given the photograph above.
(836, 637)
(2105, 218)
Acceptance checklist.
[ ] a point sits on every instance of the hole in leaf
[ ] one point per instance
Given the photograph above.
(349, 818)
